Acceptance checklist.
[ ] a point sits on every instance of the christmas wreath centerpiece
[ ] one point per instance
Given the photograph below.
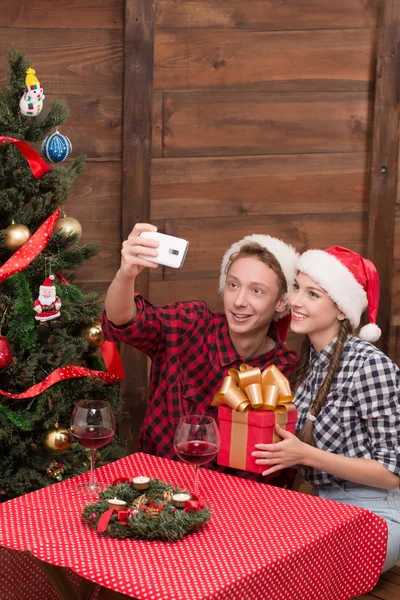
(153, 510)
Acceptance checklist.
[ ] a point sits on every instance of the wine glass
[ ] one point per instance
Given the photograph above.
(197, 442)
(92, 426)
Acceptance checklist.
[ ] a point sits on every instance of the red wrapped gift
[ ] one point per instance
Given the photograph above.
(255, 402)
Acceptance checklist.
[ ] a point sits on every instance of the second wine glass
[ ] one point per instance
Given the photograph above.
(93, 426)
(197, 442)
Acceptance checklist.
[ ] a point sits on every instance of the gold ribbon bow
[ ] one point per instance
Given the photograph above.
(249, 388)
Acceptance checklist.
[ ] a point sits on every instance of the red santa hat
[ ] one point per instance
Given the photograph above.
(48, 282)
(350, 280)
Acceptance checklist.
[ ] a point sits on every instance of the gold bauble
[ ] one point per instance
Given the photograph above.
(58, 440)
(94, 333)
(16, 236)
(69, 226)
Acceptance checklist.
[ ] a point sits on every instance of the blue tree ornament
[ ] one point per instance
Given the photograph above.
(56, 147)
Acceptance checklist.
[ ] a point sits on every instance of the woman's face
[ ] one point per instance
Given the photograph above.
(313, 312)
(251, 295)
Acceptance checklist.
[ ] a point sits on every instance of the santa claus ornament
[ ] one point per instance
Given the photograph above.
(31, 103)
(48, 304)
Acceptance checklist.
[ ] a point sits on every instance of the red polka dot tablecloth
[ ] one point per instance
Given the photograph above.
(21, 578)
(261, 542)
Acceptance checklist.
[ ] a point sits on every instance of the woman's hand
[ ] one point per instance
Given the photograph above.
(282, 455)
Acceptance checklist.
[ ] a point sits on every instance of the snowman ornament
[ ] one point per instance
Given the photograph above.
(31, 102)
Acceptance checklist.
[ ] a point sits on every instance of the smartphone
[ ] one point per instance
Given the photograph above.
(171, 251)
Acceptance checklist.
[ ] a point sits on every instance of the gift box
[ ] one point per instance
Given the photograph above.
(240, 431)
(250, 403)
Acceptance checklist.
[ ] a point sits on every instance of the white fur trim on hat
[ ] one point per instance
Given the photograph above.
(284, 254)
(338, 282)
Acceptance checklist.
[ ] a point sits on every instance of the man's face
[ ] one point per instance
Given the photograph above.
(47, 293)
(251, 296)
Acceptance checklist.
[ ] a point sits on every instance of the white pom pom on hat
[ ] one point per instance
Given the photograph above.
(370, 332)
(350, 280)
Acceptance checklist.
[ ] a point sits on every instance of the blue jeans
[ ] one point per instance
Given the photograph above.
(384, 503)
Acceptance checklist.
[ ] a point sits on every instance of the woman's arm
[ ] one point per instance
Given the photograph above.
(291, 451)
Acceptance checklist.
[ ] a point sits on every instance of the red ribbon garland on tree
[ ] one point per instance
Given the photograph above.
(31, 249)
(36, 163)
(72, 372)
(112, 360)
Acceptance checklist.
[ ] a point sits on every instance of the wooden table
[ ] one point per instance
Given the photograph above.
(262, 542)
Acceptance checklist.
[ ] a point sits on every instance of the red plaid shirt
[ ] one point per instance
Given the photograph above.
(191, 353)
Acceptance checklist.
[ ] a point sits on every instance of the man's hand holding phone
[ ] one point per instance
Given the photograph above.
(146, 247)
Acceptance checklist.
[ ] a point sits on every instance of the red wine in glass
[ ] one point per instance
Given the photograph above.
(91, 437)
(196, 452)
(92, 426)
(197, 442)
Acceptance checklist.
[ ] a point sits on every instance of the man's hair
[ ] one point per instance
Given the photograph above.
(255, 250)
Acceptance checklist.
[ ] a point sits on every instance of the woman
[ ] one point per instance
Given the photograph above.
(347, 392)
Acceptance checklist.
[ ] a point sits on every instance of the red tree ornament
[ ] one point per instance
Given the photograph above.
(6, 354)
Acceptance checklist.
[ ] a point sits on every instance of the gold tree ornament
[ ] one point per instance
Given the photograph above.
(16, 235)
(58, 439)
(69, 226)
(94, 333)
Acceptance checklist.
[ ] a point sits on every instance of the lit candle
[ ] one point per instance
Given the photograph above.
(179, 500)
(116, 503)
(141, 482)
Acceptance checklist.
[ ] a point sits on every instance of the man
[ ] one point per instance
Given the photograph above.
(191, 347)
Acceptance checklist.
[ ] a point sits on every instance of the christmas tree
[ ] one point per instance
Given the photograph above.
(51, 351)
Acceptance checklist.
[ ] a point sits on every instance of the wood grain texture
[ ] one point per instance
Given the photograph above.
(96, 194)
(385, 157)
(94, 201)
(395, 306)
(94, 125)
(157, 125)
(163, 292)
(90, 14)
(394, 348)
(387, 588)
(210, 238)
(266, 14)
(104, 233)
(137, 133)
(69, 61)
(136, 173)
(258, 185)
(227, 60)
(209, 124)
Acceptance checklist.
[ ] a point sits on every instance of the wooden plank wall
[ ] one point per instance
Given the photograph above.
(77, 49)
(383, 195)
(262, 123)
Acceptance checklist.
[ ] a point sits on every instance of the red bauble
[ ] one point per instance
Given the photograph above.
(6, 354)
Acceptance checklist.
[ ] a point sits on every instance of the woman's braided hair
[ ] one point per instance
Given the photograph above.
(306, 434)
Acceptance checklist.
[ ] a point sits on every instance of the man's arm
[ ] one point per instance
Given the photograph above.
(120, 303)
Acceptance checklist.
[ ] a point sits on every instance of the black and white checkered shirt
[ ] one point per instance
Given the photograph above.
(361, 415)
